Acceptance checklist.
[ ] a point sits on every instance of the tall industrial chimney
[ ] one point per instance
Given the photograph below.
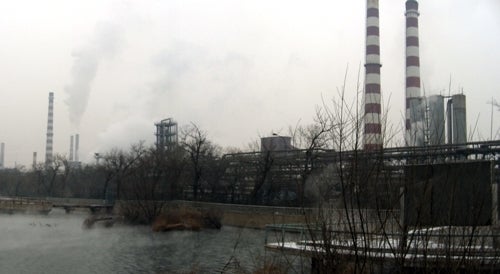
(77, 147)
(50, 131)
(2, 155)
(372, 136)
(414, 133)
(71, 145)
(34, 160)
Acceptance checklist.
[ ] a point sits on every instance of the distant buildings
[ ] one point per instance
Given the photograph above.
(276, 143)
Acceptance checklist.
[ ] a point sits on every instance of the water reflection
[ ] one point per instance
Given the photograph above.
(57, 244)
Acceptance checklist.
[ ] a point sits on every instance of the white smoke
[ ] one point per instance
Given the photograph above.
(104, 44)
(125, 133)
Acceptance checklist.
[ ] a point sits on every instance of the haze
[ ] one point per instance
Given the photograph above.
(239, 69)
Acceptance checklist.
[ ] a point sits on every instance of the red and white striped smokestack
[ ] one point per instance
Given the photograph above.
(414, 133)
(50, 130)
(372, 135)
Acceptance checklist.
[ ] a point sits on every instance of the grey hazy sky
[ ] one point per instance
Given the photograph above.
(239, 69)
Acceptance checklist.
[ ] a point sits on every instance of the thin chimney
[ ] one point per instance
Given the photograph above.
(34, 159)
(372, 135)
(71, 145)
(50, 130)
(2, 155)
(77, 147)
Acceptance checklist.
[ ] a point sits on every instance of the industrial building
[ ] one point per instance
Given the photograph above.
(445, 126)
(436, 133)
(424, 116)
(435, 136)
(166, 134)
(457, 119)
(276, 143)
(425, 120)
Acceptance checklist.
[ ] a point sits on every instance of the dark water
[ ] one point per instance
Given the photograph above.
(57, 244)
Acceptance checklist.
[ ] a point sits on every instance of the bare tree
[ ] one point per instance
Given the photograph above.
(312, 139)
(264, 165)
(199, 149)
(142, 187)
(175, 168)
(117, 165)
(64, 176)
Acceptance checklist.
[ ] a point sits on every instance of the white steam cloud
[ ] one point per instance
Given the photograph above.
(104, 44)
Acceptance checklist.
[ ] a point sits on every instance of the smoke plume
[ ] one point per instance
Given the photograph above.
(104, 44)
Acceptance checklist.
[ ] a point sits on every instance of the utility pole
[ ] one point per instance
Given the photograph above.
(493, 103)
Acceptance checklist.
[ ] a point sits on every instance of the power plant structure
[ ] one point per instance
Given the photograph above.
(166, 134)
(457, 120)
(434, 120)
(446, 126)
(436, 134)
(71, 147)
(50, 131)
(34, 159)
(372, 135)
(414, 124)
(425, 116)
(276, 143)
(425, 119)
(77, 148)
(74, 140)
(74, 146)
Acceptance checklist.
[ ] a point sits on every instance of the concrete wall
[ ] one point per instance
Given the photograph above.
(248, 215)
(260, 216)
(449, 194)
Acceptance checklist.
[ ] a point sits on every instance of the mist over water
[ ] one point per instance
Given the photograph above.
(57, 243)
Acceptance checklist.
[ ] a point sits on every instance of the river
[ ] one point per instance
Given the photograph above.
(56, 243)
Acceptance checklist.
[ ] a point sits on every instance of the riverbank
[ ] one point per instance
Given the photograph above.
(256, 217)
(24, 205)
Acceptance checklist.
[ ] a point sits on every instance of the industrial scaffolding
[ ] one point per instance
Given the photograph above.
(166, 134)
